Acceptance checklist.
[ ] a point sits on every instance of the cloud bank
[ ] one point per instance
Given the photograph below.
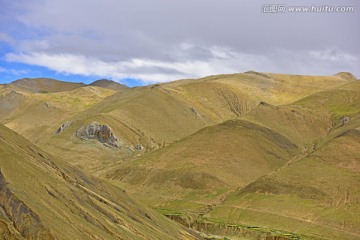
(160, 40)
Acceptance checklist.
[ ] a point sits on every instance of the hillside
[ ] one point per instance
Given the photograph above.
(154, 116)
(317, 196)
(28, 113)
(104, 83)
(247, 156)
(311, 148)
(42, 198)
(44, 85)
(197, 170)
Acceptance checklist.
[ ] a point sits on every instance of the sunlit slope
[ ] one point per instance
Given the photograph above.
(150, 117)
(343, 101)
(303, 126)
(197, 170)
(275, 89)
(160, 114)
(34, 115)
(312, 118)
(168, 114)
(174, 110)
(42, 198)
(316, 196)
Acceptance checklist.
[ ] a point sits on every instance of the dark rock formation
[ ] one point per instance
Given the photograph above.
(344, 120)
(63, 127)
(139, 147)
(102, 133)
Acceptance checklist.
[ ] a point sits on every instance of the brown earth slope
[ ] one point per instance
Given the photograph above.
(42, 198)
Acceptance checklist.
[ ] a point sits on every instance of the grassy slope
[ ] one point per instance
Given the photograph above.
(42, 198)
(150, 116)
(223, 155)
(198, 170)
(317, 195)
(158, 115)
(171, 111)
(34, 115)
(279, 89)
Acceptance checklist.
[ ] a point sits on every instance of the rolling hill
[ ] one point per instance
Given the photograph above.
(317, 196)
(199, 169)
(154, 116)
(44, 85)
(244, 156)
(311, 151)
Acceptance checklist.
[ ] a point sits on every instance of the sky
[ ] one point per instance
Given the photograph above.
(139, 42)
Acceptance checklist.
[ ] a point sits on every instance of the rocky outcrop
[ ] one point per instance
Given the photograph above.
(101, 132)
(264, 104)
(139, 147)
(63, 127)
(344, 120)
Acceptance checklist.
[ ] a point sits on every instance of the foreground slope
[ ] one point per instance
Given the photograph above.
(42, 198)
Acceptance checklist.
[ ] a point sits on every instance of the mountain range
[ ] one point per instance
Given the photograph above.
(239, 156)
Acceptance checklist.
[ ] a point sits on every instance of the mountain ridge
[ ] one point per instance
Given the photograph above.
(235, 155)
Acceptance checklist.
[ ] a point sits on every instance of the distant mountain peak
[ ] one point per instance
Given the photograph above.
(109, 84)
(346, 75)
(251, 72)
(44, 85)
(103, 80)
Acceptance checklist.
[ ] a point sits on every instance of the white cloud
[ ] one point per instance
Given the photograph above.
(334, 55)
(219, 60)
(160, 40)
(13, 71)
(148, 70)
